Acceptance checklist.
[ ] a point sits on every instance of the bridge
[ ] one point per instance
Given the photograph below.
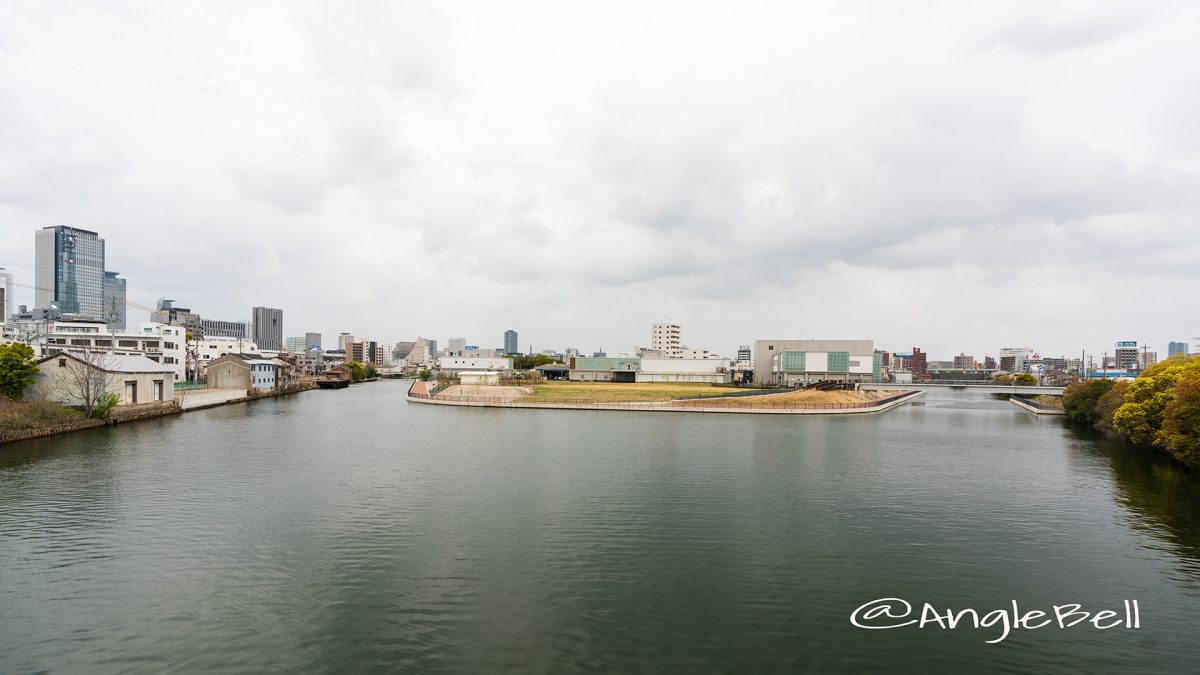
(964, 385)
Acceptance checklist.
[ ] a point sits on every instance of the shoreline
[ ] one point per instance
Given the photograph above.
(174, 408)
(880, 405)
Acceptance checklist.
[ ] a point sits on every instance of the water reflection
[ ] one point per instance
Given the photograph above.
(1164, 494)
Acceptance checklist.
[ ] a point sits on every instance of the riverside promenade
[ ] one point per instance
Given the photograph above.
(419, 392)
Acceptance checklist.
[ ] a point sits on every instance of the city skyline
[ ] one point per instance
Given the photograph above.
(963, 184)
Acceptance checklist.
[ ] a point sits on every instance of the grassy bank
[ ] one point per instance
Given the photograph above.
(18, 416)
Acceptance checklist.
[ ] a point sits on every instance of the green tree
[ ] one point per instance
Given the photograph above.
(1080, 397)
(357, 370)
(425, 374)
(1181, 423)
(372, 371)
(17, 368)
(104, 405)
(1106, 406)
(1024, 378)
(1141, 416)
(530, 361)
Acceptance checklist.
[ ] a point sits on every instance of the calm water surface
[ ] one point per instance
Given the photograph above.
(349, 531)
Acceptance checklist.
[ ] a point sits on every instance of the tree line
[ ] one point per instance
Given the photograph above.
(1160, 409)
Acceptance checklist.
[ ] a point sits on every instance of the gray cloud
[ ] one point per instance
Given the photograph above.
(748, 170)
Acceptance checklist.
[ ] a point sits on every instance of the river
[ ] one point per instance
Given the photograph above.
(351, 531)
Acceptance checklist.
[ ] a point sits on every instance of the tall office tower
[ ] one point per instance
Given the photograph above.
(266, 328)
(1127, 355)
(510, 342)
(1173, 348)
(6, 295)
(664, 337)
(431, 347)
(68, 271)
(312, 340)
(114, 301)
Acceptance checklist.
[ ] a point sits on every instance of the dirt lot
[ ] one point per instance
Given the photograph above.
(484, 392)
(793, 399)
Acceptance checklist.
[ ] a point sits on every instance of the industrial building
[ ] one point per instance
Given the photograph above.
(656, 368)
(791, 363)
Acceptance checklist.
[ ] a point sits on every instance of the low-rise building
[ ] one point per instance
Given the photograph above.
(68, 377)
(714, 371)
(792, 363)
(605, 368)
(251, 372)
(453, 365)
(484, 377)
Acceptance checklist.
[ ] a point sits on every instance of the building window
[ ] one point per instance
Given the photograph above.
(62, 363)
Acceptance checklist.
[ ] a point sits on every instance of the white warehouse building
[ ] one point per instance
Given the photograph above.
(790, 363)
(452, 365)
(714, 371)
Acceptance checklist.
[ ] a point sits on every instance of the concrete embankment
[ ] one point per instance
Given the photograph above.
(418, 393)
(1037, 408)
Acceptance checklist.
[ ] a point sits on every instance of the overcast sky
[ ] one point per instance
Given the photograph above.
(935, 174)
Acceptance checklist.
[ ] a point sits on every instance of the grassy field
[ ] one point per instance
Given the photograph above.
(609, 392)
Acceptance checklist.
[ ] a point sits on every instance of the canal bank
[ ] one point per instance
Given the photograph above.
(420, 393)
(149, 411)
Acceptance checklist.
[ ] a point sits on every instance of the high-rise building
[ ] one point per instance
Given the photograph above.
(356, 350)
(69, 271)
(510, 342)
(114, 301)
(919, 367)
(294, 344)
(1126, 355)
(964, 362)
(1012, 359)
(344, 339)
(1173, 348)
(266, 325)
(431, 347)
(6, 295)
(665, 338)
(989, 363)
(312, 341)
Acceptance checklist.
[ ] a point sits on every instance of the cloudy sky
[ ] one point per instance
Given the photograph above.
(949, 175)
